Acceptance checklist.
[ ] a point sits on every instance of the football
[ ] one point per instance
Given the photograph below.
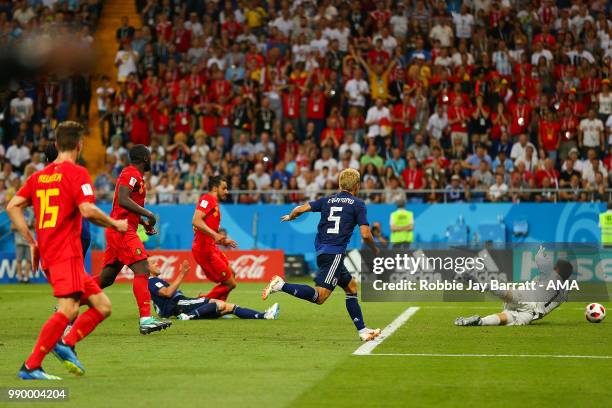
(595, 312)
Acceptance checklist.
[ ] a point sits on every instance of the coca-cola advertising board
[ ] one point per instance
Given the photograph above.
(248, 266)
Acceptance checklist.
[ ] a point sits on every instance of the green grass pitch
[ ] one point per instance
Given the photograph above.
(305, 358)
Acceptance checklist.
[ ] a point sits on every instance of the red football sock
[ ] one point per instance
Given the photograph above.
(140, 287)
(83, 325)
(49, 335)
(220, 292)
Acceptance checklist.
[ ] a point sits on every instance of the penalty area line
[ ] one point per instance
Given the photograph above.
(366, 348)
(489, 355)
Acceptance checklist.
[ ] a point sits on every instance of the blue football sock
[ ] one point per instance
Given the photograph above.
(354, 310)
(207, 311)
(244, 313)
(301, 291)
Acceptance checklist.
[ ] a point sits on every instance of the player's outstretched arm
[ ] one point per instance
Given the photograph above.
(296, 212)
(98, 217)
(126, 202)
(169, 291)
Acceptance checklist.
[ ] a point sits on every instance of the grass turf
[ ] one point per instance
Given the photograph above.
(304, 359)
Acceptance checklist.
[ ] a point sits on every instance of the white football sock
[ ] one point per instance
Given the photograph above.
(490, 320)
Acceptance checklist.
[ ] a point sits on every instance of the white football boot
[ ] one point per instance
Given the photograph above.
(272, 312)
(366, 334)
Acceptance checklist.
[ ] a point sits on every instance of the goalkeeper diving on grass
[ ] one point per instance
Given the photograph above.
(522, 307)
(340, 213)
(170, 301)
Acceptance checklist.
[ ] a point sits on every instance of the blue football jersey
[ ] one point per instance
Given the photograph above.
(163, 305)
(340, 213)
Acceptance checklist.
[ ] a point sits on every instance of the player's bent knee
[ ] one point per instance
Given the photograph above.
(101, 303)
(105, 309)
(71, 311)
(351, 288)
(322, 295)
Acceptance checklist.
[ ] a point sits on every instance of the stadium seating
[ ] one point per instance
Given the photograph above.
(280, 96)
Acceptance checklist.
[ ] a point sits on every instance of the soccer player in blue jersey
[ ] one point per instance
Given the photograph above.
(340, 213)
(169, 300)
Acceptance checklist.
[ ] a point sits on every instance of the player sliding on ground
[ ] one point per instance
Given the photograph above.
(340, 213)
(206, 220)
(523, 307)
(61, 195)
(169, 300)
(127, 248)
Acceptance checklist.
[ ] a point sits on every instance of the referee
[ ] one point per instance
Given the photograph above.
(605, 224)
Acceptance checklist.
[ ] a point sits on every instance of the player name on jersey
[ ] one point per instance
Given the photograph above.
(50, 178)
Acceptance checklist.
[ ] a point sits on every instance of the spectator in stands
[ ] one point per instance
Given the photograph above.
(244, 147)
(260, 178)
(104, 182)
(164, 190)
(22, 108)
(519, 149)
(482, 177)
(284, 87)
(420, 149)
(498, 190)
(372, 157)
(125, 32)
(591, 133)
(455, 192)
(125, 61)
(116, 149)
(18, 154)
(437, 124)
(188, 194)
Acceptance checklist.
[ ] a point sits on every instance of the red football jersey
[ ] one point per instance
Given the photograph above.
(131, 177)
(55, 192)
(209, 207)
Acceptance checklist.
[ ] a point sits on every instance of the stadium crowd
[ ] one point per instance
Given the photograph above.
(30, 108)
(434, 101)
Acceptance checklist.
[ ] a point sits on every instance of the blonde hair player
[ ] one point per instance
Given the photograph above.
(340, 213)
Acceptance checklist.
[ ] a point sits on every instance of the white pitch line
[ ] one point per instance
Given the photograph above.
(366, 348)
(486, 355)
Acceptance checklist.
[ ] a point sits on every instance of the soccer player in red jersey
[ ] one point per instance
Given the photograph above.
(206, 220)
(126, 248)
(61, 195)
